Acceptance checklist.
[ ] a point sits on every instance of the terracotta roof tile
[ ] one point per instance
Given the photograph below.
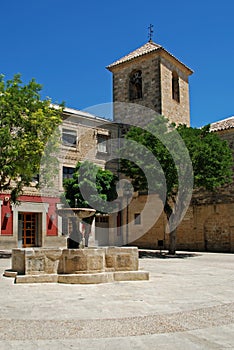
(149, 47)
(224, 124)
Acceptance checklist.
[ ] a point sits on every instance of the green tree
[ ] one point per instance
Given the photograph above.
(27, 123)
(211, 160)
(90, 187)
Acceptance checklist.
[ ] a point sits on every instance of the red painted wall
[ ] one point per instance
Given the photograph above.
(7, 222)
(52, 219)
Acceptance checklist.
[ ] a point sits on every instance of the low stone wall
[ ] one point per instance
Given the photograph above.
(88, 265)
(36, 261)
(74, 261)
(121, 258)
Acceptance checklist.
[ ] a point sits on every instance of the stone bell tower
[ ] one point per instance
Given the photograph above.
(154, 78)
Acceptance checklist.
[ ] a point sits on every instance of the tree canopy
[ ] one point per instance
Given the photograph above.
(210, 157)
(90, 187)
(27, 123)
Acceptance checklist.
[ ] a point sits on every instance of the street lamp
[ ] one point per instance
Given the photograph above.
(128, 193)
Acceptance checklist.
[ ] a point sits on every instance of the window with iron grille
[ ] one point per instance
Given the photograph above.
(69, 137)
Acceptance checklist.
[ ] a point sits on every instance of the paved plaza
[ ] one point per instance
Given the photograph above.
(188, 303)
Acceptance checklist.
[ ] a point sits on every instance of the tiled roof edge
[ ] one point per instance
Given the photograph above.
(223, 124)
(130, 56)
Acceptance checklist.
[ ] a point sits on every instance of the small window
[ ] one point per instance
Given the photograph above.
(35, 179)
(102, 219)
(160, 243)
(102, 143)
(69, 137)
(135, 85)
(137, 219)
(175, 87)
(68, 172)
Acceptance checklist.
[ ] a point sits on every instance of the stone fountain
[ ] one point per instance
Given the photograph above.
(73, 265)
(76, 214)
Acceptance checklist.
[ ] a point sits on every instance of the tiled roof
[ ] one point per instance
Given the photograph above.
(149, 47)
(224, 124)
(85, 114)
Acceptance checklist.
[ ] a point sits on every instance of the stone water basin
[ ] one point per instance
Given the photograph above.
(88, 265)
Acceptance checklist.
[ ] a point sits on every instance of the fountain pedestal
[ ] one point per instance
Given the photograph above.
(75, 215)
(88, 265)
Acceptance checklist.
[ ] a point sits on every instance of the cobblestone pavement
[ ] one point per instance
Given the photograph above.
(188, 303)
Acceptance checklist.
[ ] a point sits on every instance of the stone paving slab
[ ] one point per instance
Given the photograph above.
(122, 327)
(188, 303)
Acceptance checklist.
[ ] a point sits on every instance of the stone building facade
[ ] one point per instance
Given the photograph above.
(154, 78)
(208, 224)
(34, 221)
(150, 77)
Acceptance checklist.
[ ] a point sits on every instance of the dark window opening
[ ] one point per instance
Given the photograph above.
(160, 243)
(102, 219)
(175, 87)
(68, 172)
(69, 137)
(135, 85)
(36, 178)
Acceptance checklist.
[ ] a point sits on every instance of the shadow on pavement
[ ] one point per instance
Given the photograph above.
(164, 255)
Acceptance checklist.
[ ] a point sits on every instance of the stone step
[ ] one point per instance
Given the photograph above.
(87, 278)
(5, 254)
(10, 273)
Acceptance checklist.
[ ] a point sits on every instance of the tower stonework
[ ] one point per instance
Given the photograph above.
(152, 77)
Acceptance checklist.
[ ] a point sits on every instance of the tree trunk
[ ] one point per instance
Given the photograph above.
(172, 242)
(172, 234)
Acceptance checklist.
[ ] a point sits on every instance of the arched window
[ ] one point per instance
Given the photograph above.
(175, 87)
(135, 85)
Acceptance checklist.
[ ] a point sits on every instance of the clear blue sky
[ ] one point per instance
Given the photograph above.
(65, 46)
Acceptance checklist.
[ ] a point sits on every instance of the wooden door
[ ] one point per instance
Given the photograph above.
(28, 230)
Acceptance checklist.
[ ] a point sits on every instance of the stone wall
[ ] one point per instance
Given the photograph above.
(150, 68)
(86, 147)
(177, 112)
(207, 227)
(208, 224)
(39, 261)
(156, 87)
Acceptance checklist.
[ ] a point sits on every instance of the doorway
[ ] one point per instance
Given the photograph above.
(28, 228)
